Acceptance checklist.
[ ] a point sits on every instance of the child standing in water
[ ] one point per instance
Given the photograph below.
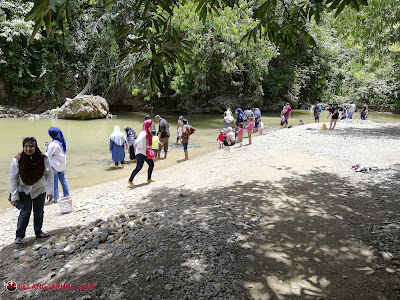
(220, 138)
(155, 144)
(250, 130)
(240, 134)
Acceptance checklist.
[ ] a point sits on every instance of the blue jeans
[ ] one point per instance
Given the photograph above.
(140, 159)
(185, 145)
(24, 215)
(64, 184)
(349, 115)
(363, 117)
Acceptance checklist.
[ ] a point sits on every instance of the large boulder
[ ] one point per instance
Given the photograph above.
(83, 108)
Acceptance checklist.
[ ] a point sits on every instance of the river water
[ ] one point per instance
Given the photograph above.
(88, 158)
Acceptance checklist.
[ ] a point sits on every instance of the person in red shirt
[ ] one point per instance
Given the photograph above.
(240, 134)
(287, 110)
(221, 138)
(250, 130)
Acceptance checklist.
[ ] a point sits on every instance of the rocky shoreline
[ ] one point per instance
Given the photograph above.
(284, 218)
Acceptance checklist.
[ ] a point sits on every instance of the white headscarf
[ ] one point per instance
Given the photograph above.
(230, 136)
(117, 136)
(228, 118)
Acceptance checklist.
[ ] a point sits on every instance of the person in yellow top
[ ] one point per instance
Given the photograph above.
(156, 144)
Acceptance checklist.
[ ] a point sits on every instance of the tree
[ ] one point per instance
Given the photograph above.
(282, 22)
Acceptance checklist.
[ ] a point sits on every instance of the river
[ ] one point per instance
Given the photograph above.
(88, 158)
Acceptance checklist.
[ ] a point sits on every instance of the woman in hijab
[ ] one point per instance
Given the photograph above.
(228, 118)
(144, 141)
(117, 145)
(31, 177)
(230, 137)
(56, 153)
(239, 117)
(131, 137)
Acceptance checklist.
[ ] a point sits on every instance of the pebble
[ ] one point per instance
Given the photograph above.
(211, 249)
(184, 192)
(386, 255)
(42, 252)
(69, 248)
(169, 287)
(24, 259)
(250, 257)
(20, 253)
(30, 252)
(37, 246)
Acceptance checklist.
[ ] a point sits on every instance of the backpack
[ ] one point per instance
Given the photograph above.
(319, 108)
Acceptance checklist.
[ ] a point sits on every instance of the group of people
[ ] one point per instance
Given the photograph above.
(249, 119)
(119, 143)
(32, 175)
(347, 112)
(147, 146)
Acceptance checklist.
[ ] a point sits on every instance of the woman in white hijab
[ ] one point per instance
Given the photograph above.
(228, 118)
(230, 137)
(117, 145)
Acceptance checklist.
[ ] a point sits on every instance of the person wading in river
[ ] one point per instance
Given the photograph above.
(163, 135)
(187, 131)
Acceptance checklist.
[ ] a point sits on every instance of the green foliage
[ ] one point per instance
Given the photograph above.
(292, 50)
(159, 46)
(220, 61)
(363, 52)
(59, 65)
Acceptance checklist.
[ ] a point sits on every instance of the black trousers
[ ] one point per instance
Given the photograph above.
(140, 159)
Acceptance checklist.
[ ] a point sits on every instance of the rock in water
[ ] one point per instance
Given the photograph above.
(85, 107)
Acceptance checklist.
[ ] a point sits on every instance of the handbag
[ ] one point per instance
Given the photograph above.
(150, 153)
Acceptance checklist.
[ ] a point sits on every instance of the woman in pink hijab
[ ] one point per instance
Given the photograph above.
(143, 142)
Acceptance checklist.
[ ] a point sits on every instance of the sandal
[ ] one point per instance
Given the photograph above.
(42, 235)
(131, 186)
(150, 180)
(18, 241)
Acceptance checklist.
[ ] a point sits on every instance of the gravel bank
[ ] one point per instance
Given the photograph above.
(284, 218)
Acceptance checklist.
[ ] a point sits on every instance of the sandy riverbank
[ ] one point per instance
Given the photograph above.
(283, 218)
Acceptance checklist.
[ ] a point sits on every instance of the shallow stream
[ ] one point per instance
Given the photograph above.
(88, 158)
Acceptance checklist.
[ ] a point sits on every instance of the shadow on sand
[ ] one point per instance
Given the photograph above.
(301, 237)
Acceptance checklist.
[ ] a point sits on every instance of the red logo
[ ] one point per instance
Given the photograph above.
(11, 286)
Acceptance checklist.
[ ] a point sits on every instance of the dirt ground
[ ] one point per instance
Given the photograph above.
(256, 223)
